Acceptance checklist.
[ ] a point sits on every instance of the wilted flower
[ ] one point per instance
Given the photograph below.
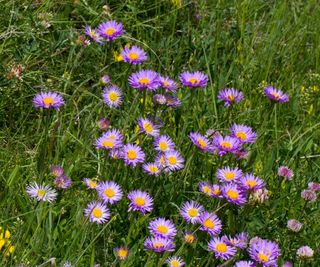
(103, 124)
(260, 195)
(105, 79)
(189, 237)
(63, 182)
(285, 172)
(172, 101)
(305, 252)
(309, 195)
(57, 170)
(294, 225)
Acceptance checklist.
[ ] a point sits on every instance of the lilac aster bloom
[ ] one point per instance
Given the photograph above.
(294, 225)
(191, 211)
(309, 195)
(148, 127)
(238, 241)
(206, 188)
(200, 141)
(285, 172)
(63, 182)
(216, 191)
(145, 79)
(193, 79)
(225, 144)
(210, 223)
(134, 55)
(122, 252)
(57, 171)
(234, 194)
(48, 100)
(93, 34)
(97, 212)
(109, 192)
(172, 101)
(168, 84)
(228, 174)
(265, 252)
(275, 94)
(112, 96)
(41, 192)
(161, 160)
(221, 249)
(91, 184)
(115, 153)
(314, 186)
(152, 168)
(159, 244)
(230, 96)
(175, 262)
(140, 201)
(243, 133)
(111, 139)
(103, 124)
(163, 143)
(163, 228)
(132, 154)
(305, 252)
(244, 264)
(159, 99)
(251, 182)
(105, 79)
(288, 264)
(110, 30)
(174, 160)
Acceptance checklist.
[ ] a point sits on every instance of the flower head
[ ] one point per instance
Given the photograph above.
(48, 100)
(305, 252)
(251, 182)
(210, 223)
(159, 244)
(221, 249)
(93, 34)
(152, 168)
(57, 171)
(228, 174)
(200, 141)
(225, 144)
(140, 201)
(294, 225)
(103, 124)
(112, 96)
(285, 172)
(109, 192)
(230, 96)
(174, 160)
(105, 79)
(314, 186)
(264, 252)
(134, 55)
(41, 192)
(148, 127)
(172, 101)
(163, 228)
(309, 195)
(244, 264)
(260, 195)
(243, 133)
(275, 94)
(174, 262)
(97, 212)
(206, 188)
(111, 139)
(189, 237)
(168, 84)
(159, 99)
(132, 154)
(234, 194)
(92, 184)
(239, 241)
(216, 191)
(145, 79)
(63, 182)
(163, 143)
(122, 252)
(194, 79)
(110, 30)
(191, 211)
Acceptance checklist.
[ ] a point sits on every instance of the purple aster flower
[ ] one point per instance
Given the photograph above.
(110, 30)
(152, 168)
(48, 100)
(230, 96)
(294, 225)
(191, 211)
(172, 101)
(175, 262)
(193, 79)
(93, 34)
(145, 79)
(225, 144)
(57, 171)
(162, 228)
(288, 264)
(265, 252)
(234, 194)
(244, 264)
(314, 186)
(250, 182)
(41, 192)
(159, 99)
(309, 195)
(97, 212)
(228, 174)
(221, 249)
(63, 182)
(134, 55)
(105, 79)
(122, 253)
(109, 192)
(115, 153)
(163, 143)
(161, 160)
(285, 172)
(132, 154)
(111, 139)
(200, 141)
(305, 252)
(206, 188)
(168, 84)
(216, 191)
(140, 201)
(112, 96)
(148, 127)
(260, 195)
(210, 223)
(174, 160)
(159, 244)
(239, 241)
(189, 237)
(275, 94)
(103, 124)
(243, 133)
(91, 184)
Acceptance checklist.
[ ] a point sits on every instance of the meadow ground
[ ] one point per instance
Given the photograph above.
(241, 44)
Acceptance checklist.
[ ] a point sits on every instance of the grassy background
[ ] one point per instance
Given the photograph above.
(242, 44)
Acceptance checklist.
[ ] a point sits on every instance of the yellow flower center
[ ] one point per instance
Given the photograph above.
(232, 194)
(93, 184)
(226, 144)
(109, 143)
(193, 212)
(41, 192)
(147, 127)
(140, 201)
(193, 81)
(144, 81)
(162, 160)
(153, 169)
(97, 213)
(229, 175)
(93, 34)
(158, 245)
(172, 160)
(113, 96)
(122, 253)
(48, 101)
(221, 247)
(133, 56)
(216, 191)
(263, 258)
(131, 154)
(189, 238)
(241, 135)
(202, 143)
(208, 223)
(175, 263)
(165, 83)
(162, 229)
(230, 97)
(276, 95)
(109, 192)
(251, 183)
(206, 189)
(110, 31)
(163, 146)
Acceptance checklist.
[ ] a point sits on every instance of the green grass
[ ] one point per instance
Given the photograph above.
(241, 44)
